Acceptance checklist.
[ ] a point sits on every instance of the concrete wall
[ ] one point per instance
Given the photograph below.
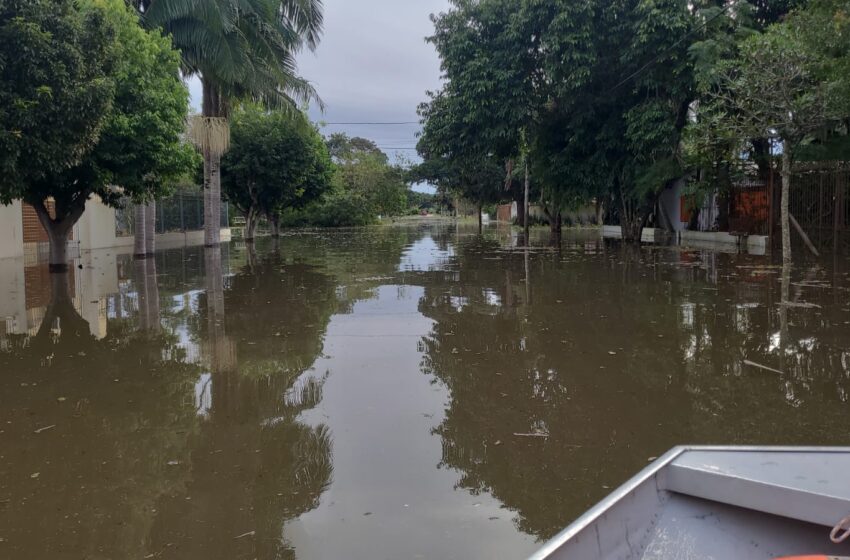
(648, 235)
(670, 205)
(96, 228)
(715, 240)
(755, 244)
(11, 231)
(13, 306)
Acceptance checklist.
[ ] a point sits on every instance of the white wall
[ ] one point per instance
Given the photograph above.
(96, 280)
(670, 202)
(96, 228)
(11, 231)
(13, 306)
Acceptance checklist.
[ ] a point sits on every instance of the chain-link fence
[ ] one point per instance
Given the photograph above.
(183, 211)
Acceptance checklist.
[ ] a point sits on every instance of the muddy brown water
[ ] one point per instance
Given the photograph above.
(404, 392)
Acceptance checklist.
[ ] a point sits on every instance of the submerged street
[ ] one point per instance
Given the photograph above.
(414, 391)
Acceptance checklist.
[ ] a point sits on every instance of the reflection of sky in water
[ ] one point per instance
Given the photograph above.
(424, 255)
(203, 395)
(382, 412)
(182, 306)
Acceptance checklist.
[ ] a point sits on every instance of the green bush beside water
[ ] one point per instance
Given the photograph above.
(337, 209)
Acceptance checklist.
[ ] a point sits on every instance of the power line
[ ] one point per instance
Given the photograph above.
(674, 45)
(371, 123)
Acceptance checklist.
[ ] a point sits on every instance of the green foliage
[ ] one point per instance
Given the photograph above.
(363, 169)
(276, 161)
(593, 94)
(339, 208)
(140, 149)
(242, 49)
(137, 147)
(343, 147)
(782, 72)
(56, 88)
(783, 84)
(418, 201)
(456, 169)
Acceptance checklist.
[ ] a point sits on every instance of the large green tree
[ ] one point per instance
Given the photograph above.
(55, 67)
(137, 150)
(240, 49)
(456, 168)
(787, 83)
(594, 94)
(363, 169)
(276, 161)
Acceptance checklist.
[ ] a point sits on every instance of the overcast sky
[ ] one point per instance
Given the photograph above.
(372, 65)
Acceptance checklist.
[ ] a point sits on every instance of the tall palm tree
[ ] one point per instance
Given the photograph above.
(240, 49)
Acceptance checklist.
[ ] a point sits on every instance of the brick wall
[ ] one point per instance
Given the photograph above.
(33, 232)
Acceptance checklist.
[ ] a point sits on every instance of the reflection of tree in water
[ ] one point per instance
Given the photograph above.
(358, 260)
(617, 356)
(253, 464)
(118, 413)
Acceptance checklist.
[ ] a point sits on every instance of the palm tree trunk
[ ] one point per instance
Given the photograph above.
(212, 107)
(212, 198)
(139, 229)
(150, 228)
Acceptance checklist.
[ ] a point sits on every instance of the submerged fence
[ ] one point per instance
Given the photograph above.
(183, 211)
(820, 201)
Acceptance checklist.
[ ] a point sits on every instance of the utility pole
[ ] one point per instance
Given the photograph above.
(525, 204)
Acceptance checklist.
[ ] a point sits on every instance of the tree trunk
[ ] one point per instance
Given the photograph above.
(58, 230)
(250, 225)
(631, 222)
(480, 219)
(274, 221)
(525, 202)
(555, 224)
(784, 208)
(150, 228)
(213, 107)
(58, 250)
(212, 199)
(61, 312)
(600, 211)
(139, 230)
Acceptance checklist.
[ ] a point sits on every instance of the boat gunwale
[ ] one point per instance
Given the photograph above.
(594, 513)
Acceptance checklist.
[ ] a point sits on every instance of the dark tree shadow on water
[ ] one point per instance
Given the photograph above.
(62, 322)
(253, 464)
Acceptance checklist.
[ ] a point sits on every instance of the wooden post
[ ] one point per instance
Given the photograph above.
(770, 194)
(820, 208)
(838, 217)
(802, 233)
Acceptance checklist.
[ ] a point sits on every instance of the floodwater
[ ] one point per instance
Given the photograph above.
(397, 392)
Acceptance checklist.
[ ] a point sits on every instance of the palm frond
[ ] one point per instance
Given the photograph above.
(209, 134)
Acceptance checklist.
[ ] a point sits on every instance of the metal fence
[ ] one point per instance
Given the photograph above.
(820, 201)
(750, 207)
(183, 211)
